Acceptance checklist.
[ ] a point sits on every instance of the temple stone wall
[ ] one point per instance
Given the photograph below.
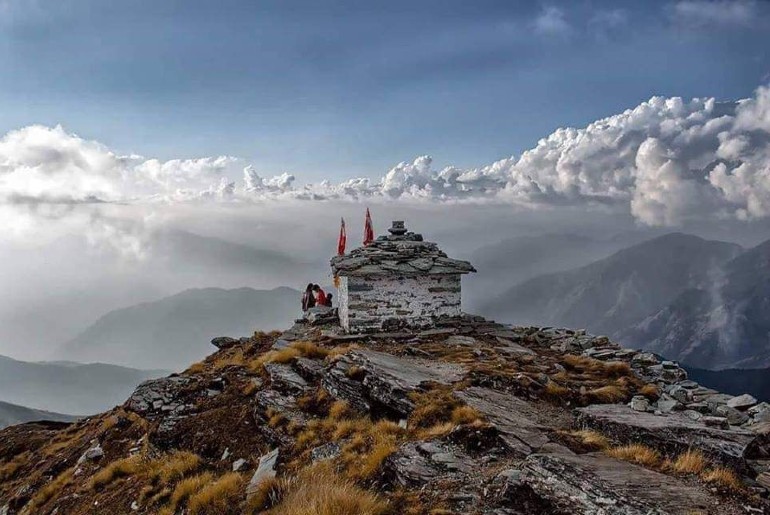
(372, 303)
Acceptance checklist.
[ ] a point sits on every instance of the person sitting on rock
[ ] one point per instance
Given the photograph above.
(308, 299)
(320, 296)
(328, 300)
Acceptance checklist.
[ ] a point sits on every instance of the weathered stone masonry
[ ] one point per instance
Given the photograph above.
(397, 281)
(367, 303)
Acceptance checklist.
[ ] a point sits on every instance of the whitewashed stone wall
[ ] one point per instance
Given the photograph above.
(384, 303)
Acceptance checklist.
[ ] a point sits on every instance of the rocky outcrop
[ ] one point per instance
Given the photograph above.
(674, 433)
(468, 416)
(364, 377)
(595, 484)
(514, 418)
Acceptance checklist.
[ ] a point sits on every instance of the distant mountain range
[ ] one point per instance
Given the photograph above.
(613, 293)
(11, 414)
(80, 389)
(176, 330)
(704, 303)
(724, 323)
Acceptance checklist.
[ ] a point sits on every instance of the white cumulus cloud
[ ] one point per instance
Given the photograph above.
(667, 161)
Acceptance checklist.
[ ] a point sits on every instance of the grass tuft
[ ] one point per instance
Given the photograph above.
(724, 478)
(609, 394)
(650, 391)
(218, 496)
(591, 439)
(318, 490)
(187, 487)
(50, 490)
(690, 462)
(116, 470)
(636, 453)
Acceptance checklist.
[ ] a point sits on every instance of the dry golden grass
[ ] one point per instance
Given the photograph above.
(267, 494)
(282, 356)
(339, 410)
(8, 470)
(116, 470)
(311, 350)
(339, 350)
(690, 462)
(594, 368)
(465, 415)
(433, 407)
(650, 391)
(186, 488)
(555, 391)
(317, 402)
(724, 478)
(49, 491)
(591, 439)
(173, 467)
(617, 368)
(290, 353)
(607, 394)
(237, 359)
(582, 363)
(217, 497)
(250, 388)
(636, 453)
(366, 466)
(355, 373)
(318, 490)
(196, 368)
(435, 431)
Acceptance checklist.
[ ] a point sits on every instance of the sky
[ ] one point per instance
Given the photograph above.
(340, 89)
(133, 132)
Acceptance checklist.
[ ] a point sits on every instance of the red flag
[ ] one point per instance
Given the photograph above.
(368, 230)
(343, 238)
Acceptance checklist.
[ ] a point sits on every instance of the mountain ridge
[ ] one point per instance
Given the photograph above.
(608, 294)
(76, 388)
(469, 417)
(171, 331)
(12, 414)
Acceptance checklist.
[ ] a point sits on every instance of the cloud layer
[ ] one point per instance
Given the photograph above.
(666, 161)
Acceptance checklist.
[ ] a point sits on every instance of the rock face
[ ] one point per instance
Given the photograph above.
(674, 433)
(515, 418)
(594, 484)
(365, 378)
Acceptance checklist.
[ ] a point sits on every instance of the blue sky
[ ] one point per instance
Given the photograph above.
(341, 89)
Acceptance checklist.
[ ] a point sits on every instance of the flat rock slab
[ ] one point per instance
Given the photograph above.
(385, 379)
(597, 485)
(674, 433)
(515, 418)
(283, 377)
(265, 470)
(509, 347)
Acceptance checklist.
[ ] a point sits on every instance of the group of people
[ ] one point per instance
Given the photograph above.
(315, 296)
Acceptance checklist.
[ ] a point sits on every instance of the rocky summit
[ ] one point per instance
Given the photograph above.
(467, 417)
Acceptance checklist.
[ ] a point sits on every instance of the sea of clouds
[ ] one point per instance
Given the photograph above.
(665, 161)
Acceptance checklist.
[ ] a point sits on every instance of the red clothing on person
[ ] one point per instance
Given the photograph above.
(320, 298)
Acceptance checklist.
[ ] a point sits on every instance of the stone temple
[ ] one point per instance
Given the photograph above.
(397, 281)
